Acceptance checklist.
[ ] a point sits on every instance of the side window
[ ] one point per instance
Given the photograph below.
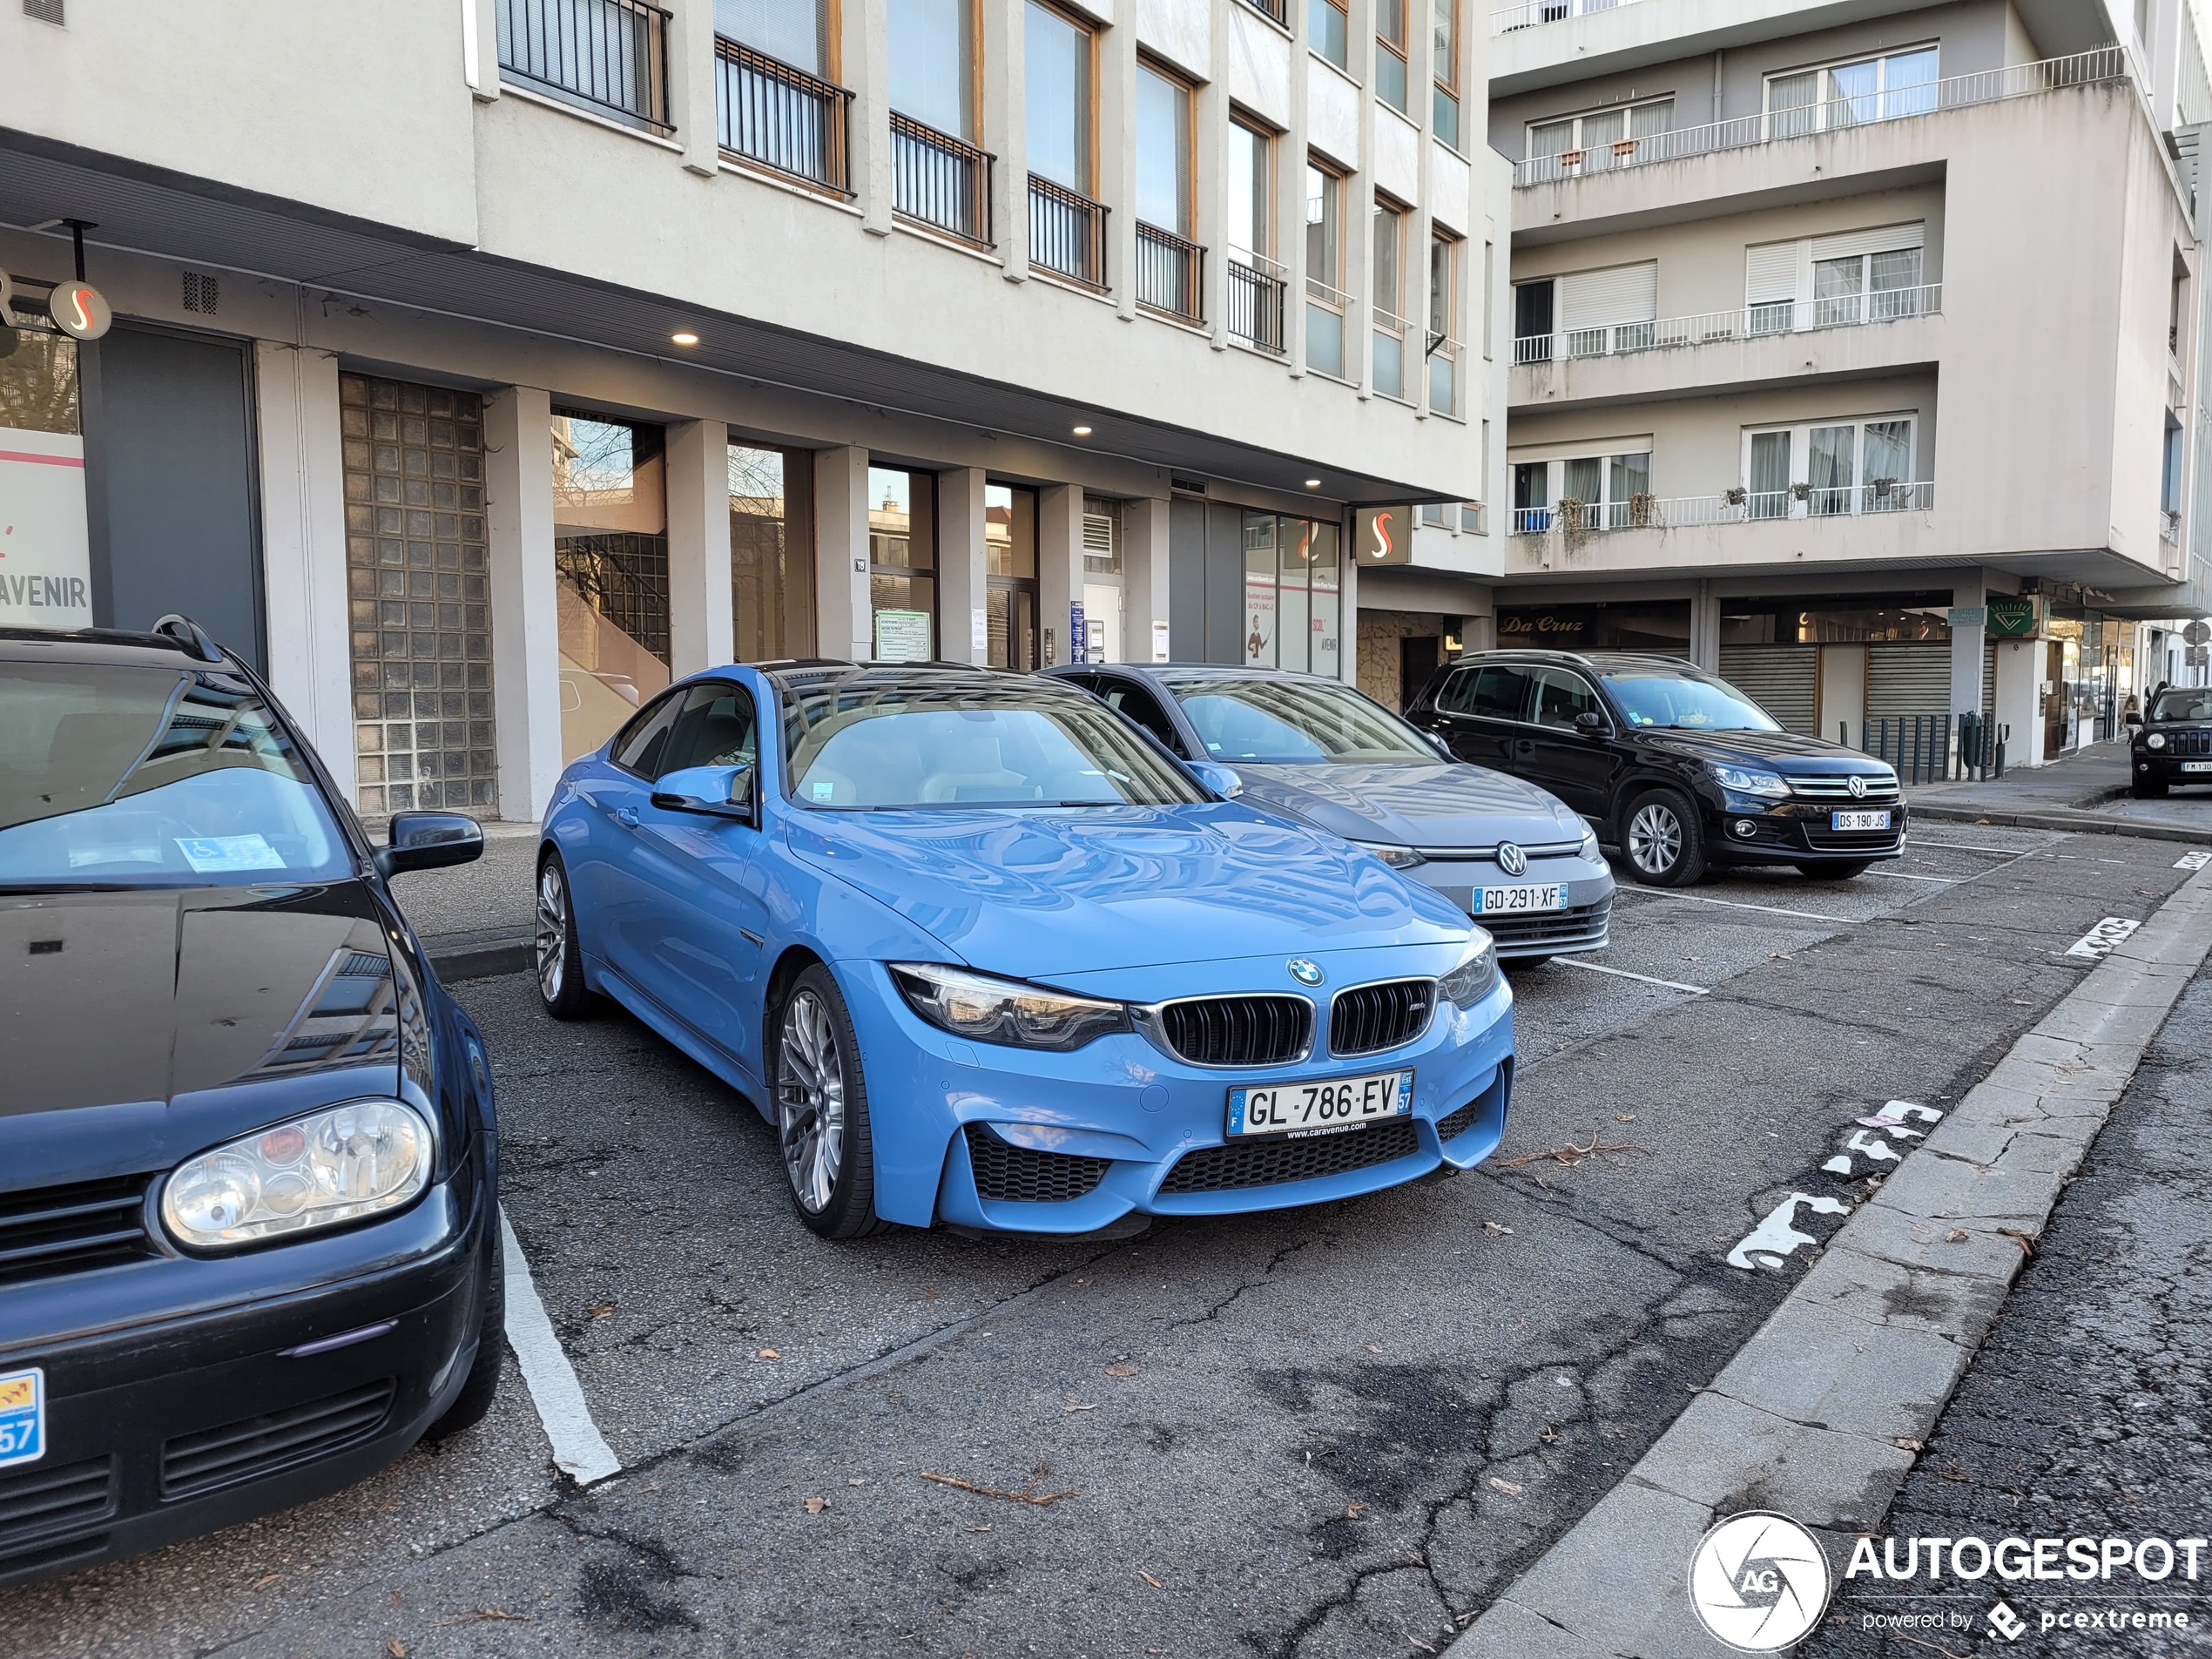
(1454, 696)
(715, 729)
(1560, 696)
(639, 749)
(1128, 698)
(1500, 693)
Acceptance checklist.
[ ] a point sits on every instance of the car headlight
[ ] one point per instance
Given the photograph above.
(1003, 1010)
(2156, 740)
(1589, 847)
(354, 1160)
(1475, 977)
(1745, 781)
(1398, 857)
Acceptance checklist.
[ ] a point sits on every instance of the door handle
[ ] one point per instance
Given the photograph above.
(626, 816)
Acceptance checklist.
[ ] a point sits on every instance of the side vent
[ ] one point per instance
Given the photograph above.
(202, 293)
(43, 10)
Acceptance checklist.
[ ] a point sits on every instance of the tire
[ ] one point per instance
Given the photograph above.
(559, 957)
(477, 1395)
(1849, 872)
(822, 1110)
(1663, 840)
(2147, 789)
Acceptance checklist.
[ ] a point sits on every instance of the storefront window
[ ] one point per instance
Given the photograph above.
(611, 571)
(1293, 594)
(772, 553)
(903, 563)
(41, 484)
(1010, 575)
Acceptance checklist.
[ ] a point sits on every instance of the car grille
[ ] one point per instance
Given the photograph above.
(1239, 1031)
(1836, 786)
(1457, 1122)
(2188, 743)
(39, 1505)
(67, 1229)
(1368, 1019)
(1272, 1163)
(1010, 1174)
(253, 1446)
(1550, 930)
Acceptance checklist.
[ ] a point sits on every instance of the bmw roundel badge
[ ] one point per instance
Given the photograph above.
(1304, 972)
(1512, 859)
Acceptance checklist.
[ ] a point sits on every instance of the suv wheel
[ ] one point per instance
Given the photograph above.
(1664, 839)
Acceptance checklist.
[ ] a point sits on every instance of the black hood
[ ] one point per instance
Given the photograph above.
(1782, 752)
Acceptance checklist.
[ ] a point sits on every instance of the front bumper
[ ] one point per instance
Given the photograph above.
(1582, 924)
(2164, 766)
(1072, 1142)
(1747, 829)
(177, 1401)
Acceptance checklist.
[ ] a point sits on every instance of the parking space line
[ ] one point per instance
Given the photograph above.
(1737, 904)
(1622, 973)
(578, 1448)
(1906, 875)
(1968, 846)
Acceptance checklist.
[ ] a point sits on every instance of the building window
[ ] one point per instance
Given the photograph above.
(772, 553)
(41, 484)
(1010, 575)
(1256, 280)
(1390, 299)
(611, 572)
(791, 32)
(932, 63)
(1597, 141)
(1293, 594)
(1328, 32)
(1390, 53)
(1325, 300)
(1583, 492)
(1444, 346)
(902, 564)
(1057, 90)
(1445, 101)
(1829, 468)
(1843, 95)
(1167, 262)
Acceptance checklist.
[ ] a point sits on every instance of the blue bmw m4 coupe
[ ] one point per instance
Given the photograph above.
(984, 953)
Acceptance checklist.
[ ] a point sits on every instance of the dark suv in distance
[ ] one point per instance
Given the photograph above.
(2173, 744)
(1675, 767)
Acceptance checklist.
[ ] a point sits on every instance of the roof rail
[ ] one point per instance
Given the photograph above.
(189, 634)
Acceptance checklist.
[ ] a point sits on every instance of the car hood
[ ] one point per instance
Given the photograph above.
(1782, 752)
(1445, 804)
(145, 998)
(1034, 893)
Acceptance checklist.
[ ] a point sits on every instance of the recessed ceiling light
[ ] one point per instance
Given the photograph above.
(1313, 483)
(1083, 431)
(685, 339)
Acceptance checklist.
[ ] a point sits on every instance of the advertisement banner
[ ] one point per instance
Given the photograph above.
(45, 549)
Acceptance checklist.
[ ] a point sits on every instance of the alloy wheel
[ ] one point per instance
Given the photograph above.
(552, 937)
(1655, 839)
(810, 1100)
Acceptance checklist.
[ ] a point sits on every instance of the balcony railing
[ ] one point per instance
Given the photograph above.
(1989, 86)
(1171, 273)
(1273, 11)
(608, 57)
(1733, 507)
(940, 181)
(1066, 233)
(1749, 323)
(782, 118)
(1256, 287)
(1505, 20)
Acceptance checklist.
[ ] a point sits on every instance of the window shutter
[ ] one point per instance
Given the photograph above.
(1600, 299)
(1852, 244)
(1781, 679)
(1905, 679)
(1770, 273)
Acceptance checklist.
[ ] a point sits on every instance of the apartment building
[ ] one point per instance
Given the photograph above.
(1856, 348)
(477, 366)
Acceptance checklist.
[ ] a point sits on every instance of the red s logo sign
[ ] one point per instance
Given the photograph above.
(1382, 536)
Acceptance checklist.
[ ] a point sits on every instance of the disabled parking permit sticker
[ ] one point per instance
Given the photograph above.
(208, 853)
(23, 1417)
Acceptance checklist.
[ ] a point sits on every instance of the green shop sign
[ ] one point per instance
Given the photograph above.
(2013, 617)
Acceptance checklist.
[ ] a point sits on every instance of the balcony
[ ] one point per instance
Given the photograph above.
(1749, 322)
(1066, 233)
(609, 58)
(781, 118)
(1575, 520)
(1506, 19)
(1989, 86)
(940, 181)
(1256, 287)
(1171, 273)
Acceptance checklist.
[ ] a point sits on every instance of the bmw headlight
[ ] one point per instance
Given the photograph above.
(968, 1004)
(1398, 857)
(1745, 781)
(2156, 740)
(354, 1160)
(1475, 977)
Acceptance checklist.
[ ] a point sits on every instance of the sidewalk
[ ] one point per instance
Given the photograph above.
(2086, 791)
(475, 920)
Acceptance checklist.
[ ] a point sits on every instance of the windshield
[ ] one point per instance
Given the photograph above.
(2181, 703)
(1294, 721)
(1681, 698)
(878, 745)
(152, 777)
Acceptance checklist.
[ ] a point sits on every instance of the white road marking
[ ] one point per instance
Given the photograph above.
(1906, 875)
(2196, 860)
(578, 1448)
(1770, 1243)
(2100, 939)
(1737, 904)
(1622, 973)
(1968, 846)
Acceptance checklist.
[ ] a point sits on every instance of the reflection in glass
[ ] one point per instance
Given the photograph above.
(1056, 92)
(610, 565)
(902, 559)
(772, 553)
(1261, 627)
(930, 54)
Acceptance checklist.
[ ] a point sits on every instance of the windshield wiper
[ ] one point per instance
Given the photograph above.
(9, 887)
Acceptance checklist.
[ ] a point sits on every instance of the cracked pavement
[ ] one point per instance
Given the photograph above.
(1337, 1431)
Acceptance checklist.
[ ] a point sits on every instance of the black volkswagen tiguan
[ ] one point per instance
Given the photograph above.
(249, 1239)
(1675, 767)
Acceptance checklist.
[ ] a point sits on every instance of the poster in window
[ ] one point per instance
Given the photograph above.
(902, 636)
(45, 548)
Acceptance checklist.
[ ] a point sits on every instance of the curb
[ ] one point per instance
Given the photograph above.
(2082, 823)
(455, 957)
(1810, 1417)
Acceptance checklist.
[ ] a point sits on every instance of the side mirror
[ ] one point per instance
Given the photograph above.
(1224, 782)
(712, 792)
(1437, 743)
(1591, 724)
(430, 841)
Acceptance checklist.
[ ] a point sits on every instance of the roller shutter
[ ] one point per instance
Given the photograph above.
(1602, 299)
(1907, 679)
(1770, 273)
(1888, 239)
(1785, 680)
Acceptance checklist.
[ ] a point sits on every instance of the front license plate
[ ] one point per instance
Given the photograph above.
(23, 1415)
(1319, 1107)
(2196, 765)
(1495, 902)
(1858, 820)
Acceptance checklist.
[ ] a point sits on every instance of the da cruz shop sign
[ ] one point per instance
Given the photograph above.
(45, 552)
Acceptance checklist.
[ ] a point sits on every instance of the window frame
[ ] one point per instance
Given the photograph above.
(1398, 47)
(1800, 434)
(1342, 64)
(1087, 118)
(1882, 89)
(1261, 137)
(1187, 143)
(1611, 513)
(1444, 68)
(1625, 110)
(828, 22)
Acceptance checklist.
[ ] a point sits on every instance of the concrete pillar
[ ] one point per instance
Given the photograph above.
(844, 620)
(1144, 581)
(963, 617)
(1060, 570)
(701, 626)
(864, 58)
(1966, 649)
(1003, 128)
(480, 48)
(2019, 670)
(692, 101)
(304, 577)
(1705, 629)
(525, 617)
(1117, 165)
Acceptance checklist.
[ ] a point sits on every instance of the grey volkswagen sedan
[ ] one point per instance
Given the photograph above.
(1517, 860)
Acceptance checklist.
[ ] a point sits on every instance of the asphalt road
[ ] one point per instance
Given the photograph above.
(1334, 1431)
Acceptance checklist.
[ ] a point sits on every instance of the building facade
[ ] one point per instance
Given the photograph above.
(1857, 350)
(478, 368)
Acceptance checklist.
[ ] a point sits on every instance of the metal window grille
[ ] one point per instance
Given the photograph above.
(1066, 233)
(780, 117)
(1169, 272)
(607, 56)
(940, 180)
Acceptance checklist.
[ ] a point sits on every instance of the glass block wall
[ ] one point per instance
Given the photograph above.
(419, 598)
